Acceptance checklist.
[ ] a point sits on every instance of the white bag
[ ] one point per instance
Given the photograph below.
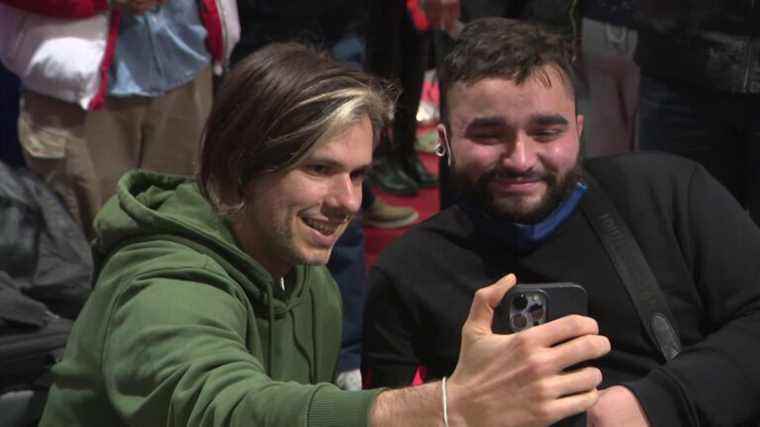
(54, 56)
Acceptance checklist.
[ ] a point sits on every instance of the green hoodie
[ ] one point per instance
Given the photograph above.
(185, 329)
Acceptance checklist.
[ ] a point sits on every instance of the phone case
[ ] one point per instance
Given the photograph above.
(528, 305)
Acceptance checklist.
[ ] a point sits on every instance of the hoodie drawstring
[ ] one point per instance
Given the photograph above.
(270, 305)
(313, 352)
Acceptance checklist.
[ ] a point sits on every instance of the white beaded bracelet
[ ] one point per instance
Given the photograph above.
(445, 403)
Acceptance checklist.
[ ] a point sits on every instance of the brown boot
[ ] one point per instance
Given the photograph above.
(382, 215)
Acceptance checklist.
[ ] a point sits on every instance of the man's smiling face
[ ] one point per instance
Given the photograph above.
(295, 217)
(516, 147)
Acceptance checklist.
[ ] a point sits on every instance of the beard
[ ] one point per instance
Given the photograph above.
(516, 209)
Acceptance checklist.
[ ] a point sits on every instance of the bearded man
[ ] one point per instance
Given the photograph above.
(513, 138)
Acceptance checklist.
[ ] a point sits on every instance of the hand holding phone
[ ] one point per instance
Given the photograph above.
(530, 368)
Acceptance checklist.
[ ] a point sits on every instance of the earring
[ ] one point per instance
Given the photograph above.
(443, 144)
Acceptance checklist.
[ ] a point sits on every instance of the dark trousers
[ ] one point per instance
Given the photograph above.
(10, 149)
(350, 272)
(398, 52)
(721, 131)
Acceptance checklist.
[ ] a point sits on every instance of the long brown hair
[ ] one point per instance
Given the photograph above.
(272, 109)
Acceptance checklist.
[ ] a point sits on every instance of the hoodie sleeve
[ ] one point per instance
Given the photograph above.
(715, 382)
(167, 362)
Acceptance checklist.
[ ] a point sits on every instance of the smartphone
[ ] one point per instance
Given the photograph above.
(528, 305)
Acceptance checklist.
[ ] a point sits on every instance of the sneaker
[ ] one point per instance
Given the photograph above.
(382, 215)
(390, 177)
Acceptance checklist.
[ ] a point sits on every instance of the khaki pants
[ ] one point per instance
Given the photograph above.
(82, 154)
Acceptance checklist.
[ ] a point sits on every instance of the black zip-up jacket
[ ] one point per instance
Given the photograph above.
(700, 244)
(713, 44)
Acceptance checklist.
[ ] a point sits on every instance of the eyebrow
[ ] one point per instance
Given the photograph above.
(548, 120)
(338, 165)
(487, 122)
(536, 119)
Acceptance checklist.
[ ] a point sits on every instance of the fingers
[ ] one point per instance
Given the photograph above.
(484, 302)
(563, 329)
(571, 405)
(569, 393)
(579, 350)
(573, 382)
(569, 341)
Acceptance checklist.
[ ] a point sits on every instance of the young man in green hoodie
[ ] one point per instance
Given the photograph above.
(212, 305)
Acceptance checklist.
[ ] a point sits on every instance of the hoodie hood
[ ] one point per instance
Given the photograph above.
(149, 204)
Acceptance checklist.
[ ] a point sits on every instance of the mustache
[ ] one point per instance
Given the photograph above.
(495, 173)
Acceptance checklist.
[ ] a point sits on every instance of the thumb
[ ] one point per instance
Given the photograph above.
(486, 299)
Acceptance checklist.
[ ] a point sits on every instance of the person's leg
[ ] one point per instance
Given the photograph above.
(10, 94)
(173, 130)
(114, 135)
(612, 77)
(52, 135)
(384, 59)
(348, 268)
(415, 60)
(384, 38)
(695, 123)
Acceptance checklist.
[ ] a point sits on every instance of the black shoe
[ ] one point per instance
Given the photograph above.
(389, 177)
(417, 171)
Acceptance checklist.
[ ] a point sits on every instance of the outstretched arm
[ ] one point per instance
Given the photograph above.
(527, 366)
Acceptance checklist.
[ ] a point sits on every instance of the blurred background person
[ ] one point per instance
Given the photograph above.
(700, 88)
(112, 86)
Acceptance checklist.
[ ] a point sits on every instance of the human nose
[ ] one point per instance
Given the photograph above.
(519, 154)
(346, 194)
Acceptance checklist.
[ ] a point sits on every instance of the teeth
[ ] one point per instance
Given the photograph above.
(321, 227)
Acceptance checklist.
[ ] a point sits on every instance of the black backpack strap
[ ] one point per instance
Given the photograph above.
(633, 269)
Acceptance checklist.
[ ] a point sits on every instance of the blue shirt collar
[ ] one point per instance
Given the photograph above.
(523, 237)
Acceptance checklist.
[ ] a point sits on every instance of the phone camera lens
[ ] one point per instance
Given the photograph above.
(537, 312)
(520, 302)
(519, 322)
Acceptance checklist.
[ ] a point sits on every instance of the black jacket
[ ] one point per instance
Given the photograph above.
(714, 44)
(701, 245)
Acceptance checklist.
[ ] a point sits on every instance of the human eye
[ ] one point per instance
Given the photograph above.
(547, 134)
(488, 130)
(485, 136)
(358, 176)
(318, 169)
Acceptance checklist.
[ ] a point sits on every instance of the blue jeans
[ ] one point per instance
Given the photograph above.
(721, 131)
(346, 263)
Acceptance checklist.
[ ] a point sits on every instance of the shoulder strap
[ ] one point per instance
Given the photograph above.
(633, 269)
